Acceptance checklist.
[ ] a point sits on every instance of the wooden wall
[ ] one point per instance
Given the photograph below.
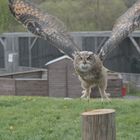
(23, 87)
(57, 79)
(62, 81)
(31, 87)
(7, 87)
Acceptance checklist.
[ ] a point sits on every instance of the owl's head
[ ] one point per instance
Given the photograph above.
(84, 61)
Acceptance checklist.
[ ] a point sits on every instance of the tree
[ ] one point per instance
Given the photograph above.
(78, 15)
(129, 3)
(7, 22)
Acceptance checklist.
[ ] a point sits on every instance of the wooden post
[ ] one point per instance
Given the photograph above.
(99, 125)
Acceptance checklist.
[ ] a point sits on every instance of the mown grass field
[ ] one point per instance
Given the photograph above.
(42, 118)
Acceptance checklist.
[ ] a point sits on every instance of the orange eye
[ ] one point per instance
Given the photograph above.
(89, 58)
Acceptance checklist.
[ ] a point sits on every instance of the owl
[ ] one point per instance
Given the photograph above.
(91, 73)
(89, 66)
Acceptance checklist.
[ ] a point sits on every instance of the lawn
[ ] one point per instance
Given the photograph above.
(134, 93)
(42, 118)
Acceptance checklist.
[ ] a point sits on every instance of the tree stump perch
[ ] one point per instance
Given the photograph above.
(99, 125)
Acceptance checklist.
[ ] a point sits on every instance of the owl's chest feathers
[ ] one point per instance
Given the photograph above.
(92, 76)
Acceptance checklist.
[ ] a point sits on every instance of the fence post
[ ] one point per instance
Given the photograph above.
(99, 125)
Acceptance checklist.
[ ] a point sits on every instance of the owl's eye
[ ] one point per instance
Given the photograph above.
(89, 57)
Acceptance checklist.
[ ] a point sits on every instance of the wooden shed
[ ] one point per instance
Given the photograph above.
(63, 82)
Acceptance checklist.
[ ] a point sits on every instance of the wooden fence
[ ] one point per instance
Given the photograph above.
(24, 49)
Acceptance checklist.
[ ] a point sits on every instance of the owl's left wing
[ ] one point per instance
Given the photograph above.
(125, 25)
(43, 25)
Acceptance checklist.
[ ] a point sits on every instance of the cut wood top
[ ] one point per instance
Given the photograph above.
(98, 112)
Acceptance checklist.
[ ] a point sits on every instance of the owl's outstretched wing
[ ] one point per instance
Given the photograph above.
(43, 25)
(125, 25)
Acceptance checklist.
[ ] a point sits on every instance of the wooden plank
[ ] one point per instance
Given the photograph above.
(74, 85)
(57, 79)
(38, 73)
(7, 87)
(31, 87)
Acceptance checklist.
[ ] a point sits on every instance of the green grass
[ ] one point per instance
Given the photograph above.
(134, 93)
(42, 118)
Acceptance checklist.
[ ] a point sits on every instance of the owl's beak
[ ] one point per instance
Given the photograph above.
(84, 62)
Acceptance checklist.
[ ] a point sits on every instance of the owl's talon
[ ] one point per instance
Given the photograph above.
(83, 96)
(109, 100)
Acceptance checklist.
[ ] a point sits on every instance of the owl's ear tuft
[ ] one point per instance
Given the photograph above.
(91, 55)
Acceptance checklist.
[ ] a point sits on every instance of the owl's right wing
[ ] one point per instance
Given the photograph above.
(43, 25)
(125, 25)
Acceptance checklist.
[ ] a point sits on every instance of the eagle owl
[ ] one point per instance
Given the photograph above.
(91, 73)
(88, 66)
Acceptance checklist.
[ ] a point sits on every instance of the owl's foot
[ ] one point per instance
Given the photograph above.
(85, 97)
(105, 100)
(108, 99)
(107, 95)
(84, 94)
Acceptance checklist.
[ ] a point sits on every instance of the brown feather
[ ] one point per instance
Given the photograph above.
(43, 25)
(124, 25)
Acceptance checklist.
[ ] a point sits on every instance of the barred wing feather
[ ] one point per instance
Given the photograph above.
(125, 25)
(43, 25)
